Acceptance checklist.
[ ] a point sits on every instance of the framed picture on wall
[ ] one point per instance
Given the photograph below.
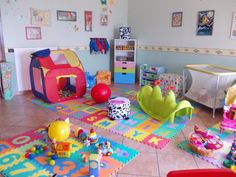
(177, 19)
(205, 22)
(66, 15)
(233, 27)
(33, 33)
(88, 19)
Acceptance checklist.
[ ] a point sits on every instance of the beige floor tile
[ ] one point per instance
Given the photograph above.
(169, 162)
(172, 147)
(13, 131)
(143, 164)
(138, 146)
(203, 164)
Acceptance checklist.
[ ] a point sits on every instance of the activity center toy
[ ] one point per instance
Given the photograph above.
(59, 130)
(100, 93)
(94, 165)
(204, 142)
(57, 75)
(158, 107)
(118, 108)
(231, 156)
(229, 116)
(86, 138)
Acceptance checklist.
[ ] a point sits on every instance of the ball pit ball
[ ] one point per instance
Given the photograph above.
(33, 149)
(52, 162)
(54, 157)
(100, 93)
(49, 153)
(45, 148)
(31, 156)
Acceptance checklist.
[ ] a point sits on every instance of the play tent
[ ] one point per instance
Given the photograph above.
(57, 75)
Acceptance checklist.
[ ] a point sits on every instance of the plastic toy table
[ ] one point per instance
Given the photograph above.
(207, 84)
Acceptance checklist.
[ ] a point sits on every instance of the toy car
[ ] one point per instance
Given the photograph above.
(105, 148)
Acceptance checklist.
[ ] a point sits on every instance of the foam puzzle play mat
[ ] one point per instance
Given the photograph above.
(34, 153)
(139, 127)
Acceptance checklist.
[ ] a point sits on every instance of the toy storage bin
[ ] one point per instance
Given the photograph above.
(207, 84)
(104, 77)
(149, 73)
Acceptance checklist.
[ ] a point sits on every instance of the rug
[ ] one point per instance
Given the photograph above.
(220, 155)
(140, 127)
(13, 162)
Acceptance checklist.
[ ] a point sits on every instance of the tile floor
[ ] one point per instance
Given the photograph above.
(20, 115)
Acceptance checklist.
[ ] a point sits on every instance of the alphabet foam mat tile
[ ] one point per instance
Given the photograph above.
(218, 156)
(14, 163)
(140, 127)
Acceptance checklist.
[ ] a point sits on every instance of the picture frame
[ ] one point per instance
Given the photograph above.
(205, 22)
(103, 19)
(66, 15)
(233, 27)
(177, 19)
(88, 20)
(33, 33)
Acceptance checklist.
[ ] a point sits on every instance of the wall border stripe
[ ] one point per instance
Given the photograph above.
(208, 51)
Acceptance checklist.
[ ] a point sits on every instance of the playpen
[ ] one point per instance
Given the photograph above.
(207, 84)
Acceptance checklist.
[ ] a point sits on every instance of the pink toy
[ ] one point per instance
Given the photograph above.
(100, 93)
(229, 118)
(203, 142)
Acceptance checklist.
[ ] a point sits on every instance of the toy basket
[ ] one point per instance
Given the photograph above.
(201, 151)
(204, 143)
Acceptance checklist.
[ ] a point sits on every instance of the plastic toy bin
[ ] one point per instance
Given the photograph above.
(207, 84)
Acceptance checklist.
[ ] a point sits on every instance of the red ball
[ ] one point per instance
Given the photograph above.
(100, 93)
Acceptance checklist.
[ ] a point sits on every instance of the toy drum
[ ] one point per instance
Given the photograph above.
(118, 108)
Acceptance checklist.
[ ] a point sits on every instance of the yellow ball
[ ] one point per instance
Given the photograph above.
(52, 162)
(59, 130)
(33, 149)
(49, 153)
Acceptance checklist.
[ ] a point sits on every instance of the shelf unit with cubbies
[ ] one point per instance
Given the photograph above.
(124, 61)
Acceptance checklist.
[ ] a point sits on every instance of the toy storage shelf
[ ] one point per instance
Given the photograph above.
(149, 73)
(207, 84)
(124, 61)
